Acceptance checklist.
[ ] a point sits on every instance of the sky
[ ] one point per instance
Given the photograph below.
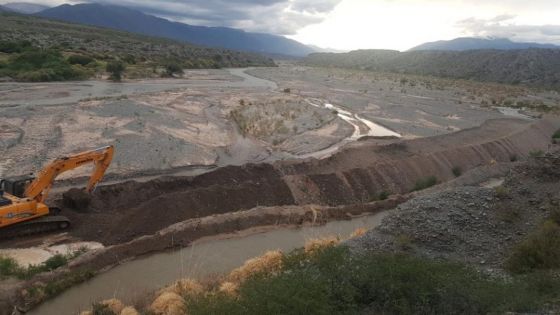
(364, 24)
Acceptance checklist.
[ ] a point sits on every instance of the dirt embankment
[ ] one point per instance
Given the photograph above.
(122, 212)
(362, 171)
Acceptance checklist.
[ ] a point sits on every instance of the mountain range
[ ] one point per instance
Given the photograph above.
(535, 67)
(131, 20)
(472, 43)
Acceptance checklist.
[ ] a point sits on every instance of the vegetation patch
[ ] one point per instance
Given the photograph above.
(10, 268)
(541, 250)
(457, 171)
(425, 182)
(556, 135)
(36, 65)
(334, 281)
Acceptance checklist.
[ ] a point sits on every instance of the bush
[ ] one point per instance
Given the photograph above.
(10, 47)
(115, 69)
(457, 171)
(383, 195)
(55, 262)
(425, 182)
(173, 68)
(40, 65)
(8, 267)
(556, 135)
(541, 250)
(80, 60)
(334, 281)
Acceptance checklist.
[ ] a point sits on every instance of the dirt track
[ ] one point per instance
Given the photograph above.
(122, 212)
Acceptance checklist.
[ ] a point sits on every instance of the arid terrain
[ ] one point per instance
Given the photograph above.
(219, 117)
(223, 151)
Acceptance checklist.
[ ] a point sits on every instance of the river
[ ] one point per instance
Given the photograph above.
(135, 278)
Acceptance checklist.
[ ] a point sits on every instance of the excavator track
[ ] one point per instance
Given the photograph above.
(41, 225)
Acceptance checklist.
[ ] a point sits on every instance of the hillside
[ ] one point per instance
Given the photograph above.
(103, 45)
(130, 20)
(534, 67)
(470, 43)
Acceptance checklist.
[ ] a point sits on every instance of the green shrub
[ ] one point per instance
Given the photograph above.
(55, 262)
(80, 60)
(173, 68)
(457, 171)
(10, 47)
(541, 250)
(8, 267)
(383, 195)
(334, 281)
(425, 182)
(556, 135)
(115, 69)
(501, 192)
(40, 65)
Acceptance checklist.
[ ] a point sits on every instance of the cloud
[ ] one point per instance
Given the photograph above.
(283, 17)
(504, 26)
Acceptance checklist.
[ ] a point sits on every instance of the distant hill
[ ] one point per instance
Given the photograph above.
(130, 20)
(535, 67)
(471, 43)
(25, 7)
(106, 44)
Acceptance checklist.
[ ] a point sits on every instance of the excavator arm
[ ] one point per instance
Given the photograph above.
(101, 158)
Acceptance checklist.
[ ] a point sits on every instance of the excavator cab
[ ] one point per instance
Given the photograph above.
(16, 186)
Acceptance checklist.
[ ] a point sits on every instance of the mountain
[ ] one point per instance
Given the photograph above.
(25, 7)
(534, 67)
(106, 44)
(134, 21)
(471, 43)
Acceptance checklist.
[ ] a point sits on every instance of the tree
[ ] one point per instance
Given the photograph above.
(173, 68)
(115, 68)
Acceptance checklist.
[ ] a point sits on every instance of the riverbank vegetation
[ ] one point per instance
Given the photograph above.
(325, 277)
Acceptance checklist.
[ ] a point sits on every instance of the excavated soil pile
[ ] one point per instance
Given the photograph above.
(358, 174)
(121, 212)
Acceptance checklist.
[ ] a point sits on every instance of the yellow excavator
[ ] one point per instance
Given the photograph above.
(22, 198)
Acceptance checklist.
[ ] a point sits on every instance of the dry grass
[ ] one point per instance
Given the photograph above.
(129, 310)
(168, 303)
(185, 287)
(229, 288)
(314, 245)
(270, 262)
(114, 305)
(358, 232)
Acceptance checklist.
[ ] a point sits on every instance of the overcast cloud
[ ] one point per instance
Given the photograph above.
(353, 24)
(503, 26)
(283, 17)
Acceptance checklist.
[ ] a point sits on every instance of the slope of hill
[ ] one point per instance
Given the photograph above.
(105, 44)
(25, 7)
(535, 67)
(470, 43)
(130, 20)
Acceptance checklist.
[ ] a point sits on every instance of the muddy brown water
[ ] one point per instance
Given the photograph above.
(134, 279)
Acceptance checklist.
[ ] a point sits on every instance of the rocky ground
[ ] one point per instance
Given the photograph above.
(473, 224)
